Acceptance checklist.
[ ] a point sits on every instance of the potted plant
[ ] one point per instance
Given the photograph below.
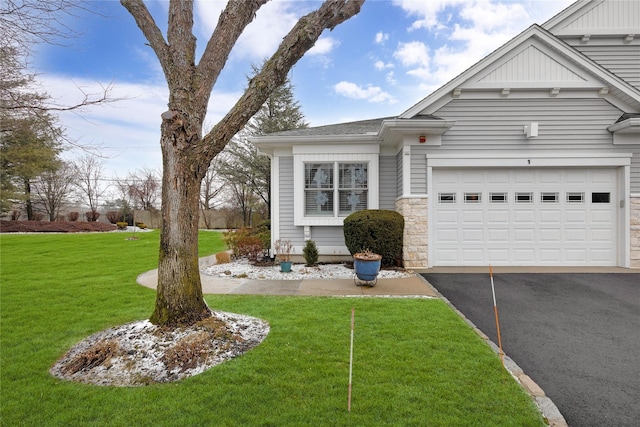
(367, 265)
(284, 249)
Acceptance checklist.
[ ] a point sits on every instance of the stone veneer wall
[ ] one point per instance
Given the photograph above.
(635, 232)
(416, 244)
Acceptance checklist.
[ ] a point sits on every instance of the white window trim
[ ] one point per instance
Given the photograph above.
(299, 161)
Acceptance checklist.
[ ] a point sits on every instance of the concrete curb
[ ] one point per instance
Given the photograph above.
(550, 412)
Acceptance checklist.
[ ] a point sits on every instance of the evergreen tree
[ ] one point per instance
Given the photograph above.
(248, 173)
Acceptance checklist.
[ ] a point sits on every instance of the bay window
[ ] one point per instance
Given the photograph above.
(331, 187)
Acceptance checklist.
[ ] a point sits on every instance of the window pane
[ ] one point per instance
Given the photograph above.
(600, 197)
(351, 201)
(353, 175)
(524, 197)
(498, 197)
(472, 197)
(575, 197)
(318, 202)
(549, 197)
(447, 197)
(318, 175)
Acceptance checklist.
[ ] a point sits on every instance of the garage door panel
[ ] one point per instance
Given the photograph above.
(473, 216)
(601, 255)
(550, 235)
(473, 235)
(576, 235)
(575, 216)
(449, 235)
(472, 256)
(497, 235)
(601, 217)
(522, 235)
(550, 216)
(548, 256)
(497, 216)
(523, 217)
(576, 255)
(601, 235)
(523, 256)
(447, 216)
(532, 216)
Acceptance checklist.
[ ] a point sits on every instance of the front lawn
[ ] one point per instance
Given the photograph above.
(415, 361)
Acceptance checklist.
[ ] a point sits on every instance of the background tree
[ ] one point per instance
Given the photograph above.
(186, 152)
(211, 190)
(24, 24)
(248, 174)
(144, 189)
(28, 147)
(89, 177)
(53, 189)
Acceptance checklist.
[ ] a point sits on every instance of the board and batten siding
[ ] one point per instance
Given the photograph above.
(387, 182)
(621, 60)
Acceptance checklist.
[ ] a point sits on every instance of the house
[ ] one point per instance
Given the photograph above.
(531, 157)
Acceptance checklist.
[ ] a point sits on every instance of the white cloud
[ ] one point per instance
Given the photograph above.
(426, 11)
(323, 46)
(126, 131)
(381, 65)
(415, 56)
(381, 37)
(370, 93)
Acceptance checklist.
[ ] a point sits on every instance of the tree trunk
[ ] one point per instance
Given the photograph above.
(179, 299)
(28, 203)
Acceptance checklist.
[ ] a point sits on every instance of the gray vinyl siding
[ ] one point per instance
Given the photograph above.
(287, 230)
(388, 176)
(327, 236)
(498, 124)
(418, 169)
(623, 61)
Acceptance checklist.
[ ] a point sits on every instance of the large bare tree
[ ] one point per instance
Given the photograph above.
(186, 151)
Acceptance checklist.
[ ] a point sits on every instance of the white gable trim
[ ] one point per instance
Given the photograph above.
(553, 47)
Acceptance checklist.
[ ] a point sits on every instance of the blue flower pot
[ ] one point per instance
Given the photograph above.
(285, 266)
(366, 270)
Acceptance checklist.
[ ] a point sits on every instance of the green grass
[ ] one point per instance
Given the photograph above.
(416, 363)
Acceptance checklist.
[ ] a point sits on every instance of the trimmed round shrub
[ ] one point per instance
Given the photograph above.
(122, 225)
(379, 231)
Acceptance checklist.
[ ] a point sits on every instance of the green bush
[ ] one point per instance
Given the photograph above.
(141, 225)
(380, 231)
(248, 243)
(122, 225)
(310, 253)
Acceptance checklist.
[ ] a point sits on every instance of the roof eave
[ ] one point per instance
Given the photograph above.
(631, 125)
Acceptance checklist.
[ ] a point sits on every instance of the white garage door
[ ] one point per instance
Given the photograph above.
(518, 217)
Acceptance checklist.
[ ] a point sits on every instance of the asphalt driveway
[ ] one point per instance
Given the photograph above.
(576, 335)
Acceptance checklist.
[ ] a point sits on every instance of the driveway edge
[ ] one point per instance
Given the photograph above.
(550, 412)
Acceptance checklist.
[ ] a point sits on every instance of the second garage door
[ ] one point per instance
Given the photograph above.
(521, 217)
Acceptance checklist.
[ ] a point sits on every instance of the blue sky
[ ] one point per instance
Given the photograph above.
(377, 64)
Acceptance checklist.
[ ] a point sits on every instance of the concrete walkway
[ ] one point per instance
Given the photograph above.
(409, 286)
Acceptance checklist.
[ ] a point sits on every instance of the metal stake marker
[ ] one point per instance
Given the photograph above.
(495, 310)
(353, 312)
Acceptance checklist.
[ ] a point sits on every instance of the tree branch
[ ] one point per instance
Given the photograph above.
(152, 33)
(300, 39)
(232, 22)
